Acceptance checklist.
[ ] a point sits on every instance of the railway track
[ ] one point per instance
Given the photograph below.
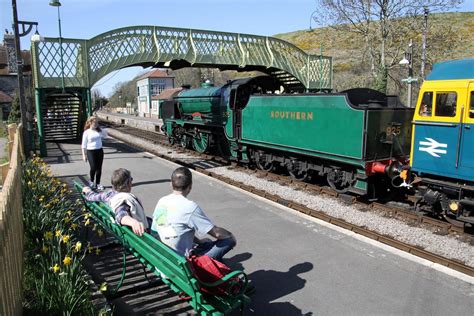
(418, 220)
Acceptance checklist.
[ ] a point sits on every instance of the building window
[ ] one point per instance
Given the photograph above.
(156, 89)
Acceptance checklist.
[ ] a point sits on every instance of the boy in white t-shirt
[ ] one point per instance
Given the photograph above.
(177, 219)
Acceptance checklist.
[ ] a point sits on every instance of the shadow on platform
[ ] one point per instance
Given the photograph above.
(272, 285)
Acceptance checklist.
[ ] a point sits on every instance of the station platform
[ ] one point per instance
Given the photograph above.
(299, 265)
(143, 123)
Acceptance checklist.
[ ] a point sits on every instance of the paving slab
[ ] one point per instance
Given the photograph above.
(299, 265)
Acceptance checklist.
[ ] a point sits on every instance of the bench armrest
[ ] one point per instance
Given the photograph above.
(237, 273)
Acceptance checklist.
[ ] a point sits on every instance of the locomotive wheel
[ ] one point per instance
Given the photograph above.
(262, 162)
(265, 165)
(335, 180)
(201, 142)
(299, 175)
(296, 173)
(184, 142)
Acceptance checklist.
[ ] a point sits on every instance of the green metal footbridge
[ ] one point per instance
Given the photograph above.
(64, 70)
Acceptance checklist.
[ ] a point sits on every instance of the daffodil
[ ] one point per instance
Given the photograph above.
(48, 235)
(78, 246)
(66, 238)
(87, 216)
(41, 199)
(58, 233)
(87, 222)
(103, 287)
(100, 232)
(55, 268)
(90, 248)
(97, 251)
(45, 249)
(67, 219)
(69, 213)
(67, 260)
(74, 226)
(29, 183)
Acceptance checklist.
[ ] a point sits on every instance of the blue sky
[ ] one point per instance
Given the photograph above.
(88, 18)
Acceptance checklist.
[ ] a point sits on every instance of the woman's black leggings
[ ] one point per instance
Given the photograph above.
(95, 157)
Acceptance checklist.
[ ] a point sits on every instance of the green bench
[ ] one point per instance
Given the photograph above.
(171, 268)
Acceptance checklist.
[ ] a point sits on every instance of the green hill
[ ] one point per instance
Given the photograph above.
(450, 36)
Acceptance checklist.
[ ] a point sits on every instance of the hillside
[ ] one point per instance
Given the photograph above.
(450, 36)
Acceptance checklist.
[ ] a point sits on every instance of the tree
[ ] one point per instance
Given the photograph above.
(98, 100)
(15, 114)
(379, 23)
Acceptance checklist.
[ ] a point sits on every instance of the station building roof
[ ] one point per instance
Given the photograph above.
(157, 73)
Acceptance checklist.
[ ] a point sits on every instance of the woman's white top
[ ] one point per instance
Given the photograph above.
(92, 139)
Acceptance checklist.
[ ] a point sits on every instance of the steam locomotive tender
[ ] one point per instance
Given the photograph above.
(357, 139)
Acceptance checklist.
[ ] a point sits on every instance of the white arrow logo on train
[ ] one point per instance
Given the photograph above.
(433, 147)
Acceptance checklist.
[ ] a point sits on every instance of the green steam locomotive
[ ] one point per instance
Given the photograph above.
(357, 139)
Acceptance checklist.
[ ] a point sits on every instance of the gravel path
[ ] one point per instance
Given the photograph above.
(446, 246)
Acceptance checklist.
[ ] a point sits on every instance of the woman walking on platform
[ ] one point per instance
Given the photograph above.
(92, 150)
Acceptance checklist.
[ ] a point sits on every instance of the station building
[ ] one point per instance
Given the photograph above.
(149, 87)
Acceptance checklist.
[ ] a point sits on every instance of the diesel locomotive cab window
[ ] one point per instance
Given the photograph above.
(446, 104)
(471, 106)
(426, 104)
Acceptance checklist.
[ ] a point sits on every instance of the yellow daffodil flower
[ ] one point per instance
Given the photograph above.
(48, 235)
(58, 233)
(45, 249)
(78, 246)
(87, 222)
(90, 248)
(97, 251)
(55, 268)
(74, 226)
(100, 232)
(69, 213)
(67, 260)
(67, 219)
(66, 238)
(103, 287)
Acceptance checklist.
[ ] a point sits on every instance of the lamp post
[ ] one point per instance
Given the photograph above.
(408, 60)
(56, 3)
(423, 41)
(26, 116)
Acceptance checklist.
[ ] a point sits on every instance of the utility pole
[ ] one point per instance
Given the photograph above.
(408, 61)
(423, 42)
(26, 124)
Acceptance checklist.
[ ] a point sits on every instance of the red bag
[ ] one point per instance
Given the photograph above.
(207, 270)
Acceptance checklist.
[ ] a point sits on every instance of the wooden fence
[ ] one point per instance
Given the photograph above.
(11, 228)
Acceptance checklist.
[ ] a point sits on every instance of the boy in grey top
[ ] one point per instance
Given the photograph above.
(177, 220)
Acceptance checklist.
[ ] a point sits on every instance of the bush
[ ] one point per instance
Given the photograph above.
(55, 282)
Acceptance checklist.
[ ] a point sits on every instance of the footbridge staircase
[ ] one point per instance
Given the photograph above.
(64, 70)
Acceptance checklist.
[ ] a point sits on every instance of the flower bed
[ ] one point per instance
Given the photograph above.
(55, 281)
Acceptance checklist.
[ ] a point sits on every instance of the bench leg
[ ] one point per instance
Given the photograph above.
(124, 271)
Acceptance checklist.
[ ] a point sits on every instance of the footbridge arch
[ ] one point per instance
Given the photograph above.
(63, 66)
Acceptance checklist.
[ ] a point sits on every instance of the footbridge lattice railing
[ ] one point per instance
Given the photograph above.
(86, 61)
